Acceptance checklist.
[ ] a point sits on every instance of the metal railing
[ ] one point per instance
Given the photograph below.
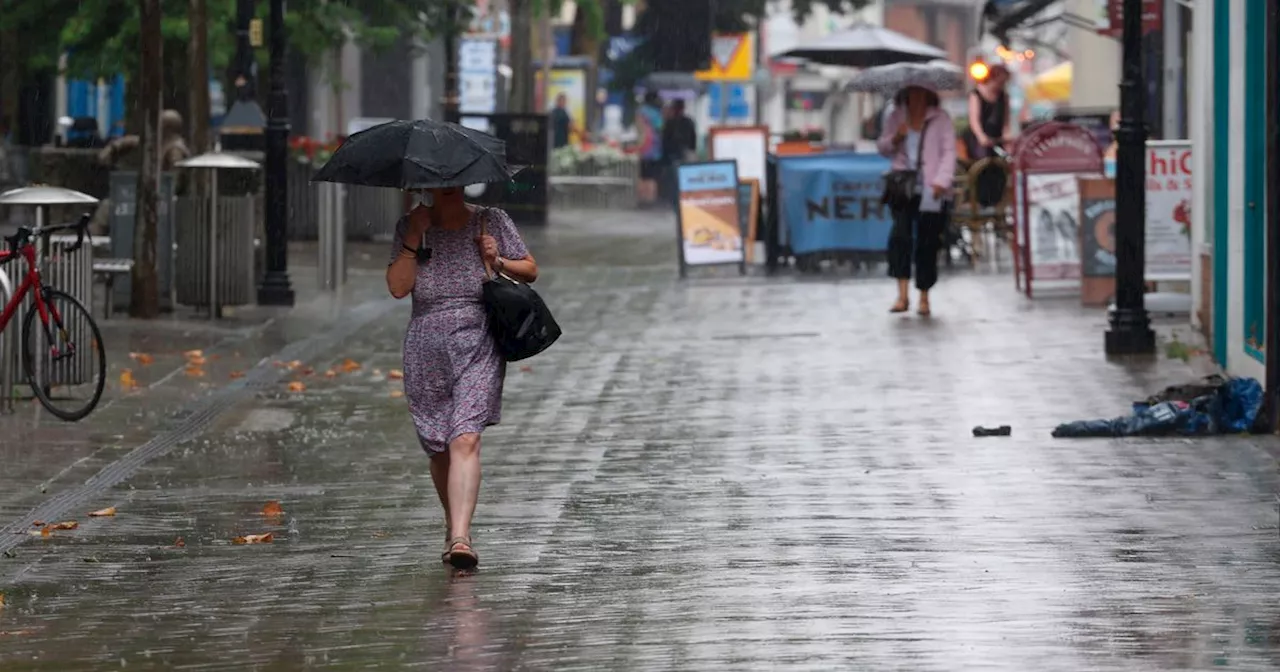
(596, 185)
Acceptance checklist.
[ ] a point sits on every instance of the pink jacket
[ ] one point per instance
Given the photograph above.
(938, 156)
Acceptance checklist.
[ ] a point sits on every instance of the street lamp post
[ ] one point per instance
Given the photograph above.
(275, 289)
(1130, 332)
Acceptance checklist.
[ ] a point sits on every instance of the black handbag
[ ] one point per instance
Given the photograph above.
(901, 186)
(519, 320)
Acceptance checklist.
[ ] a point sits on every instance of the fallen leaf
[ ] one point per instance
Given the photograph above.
(104, 513)
(254, 539)
(196, 361)
(91, 558)
(297, 386)
(193, 353)
(127, 380)
(65, 525)
(179, 543)
(1, 600)
(294, 364)
(396, 394)
(195, 371)
(330, 374)
(37, 523)
(395, 374)
(349, 365)
(526, 369)
(381, 534)
(46, 531)
(236, 374)
(272, 508)
(142, 358)
(306, 371)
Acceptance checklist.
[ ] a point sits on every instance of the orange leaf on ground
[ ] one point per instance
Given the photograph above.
(236, 374)
(396, 394)
(196, 361)
(395, 374)
(127, 380)
(526, 369)
(179, 543)
(37, 523)
(330, 374)
(193, 353)
(65, 525)
(349, 365)
(104, 513)
(254, 539)
(195, 371)
(272, 508)
(142, 358)
(294, 364)
(46, 531)
(306, 371)
(297, 386)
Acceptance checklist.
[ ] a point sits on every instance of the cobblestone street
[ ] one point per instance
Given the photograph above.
(727, 473)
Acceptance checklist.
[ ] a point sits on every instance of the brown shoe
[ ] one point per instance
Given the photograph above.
(460, 554)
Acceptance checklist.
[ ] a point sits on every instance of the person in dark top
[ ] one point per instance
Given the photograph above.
(988, 114)
(561, 123)
(679, 136)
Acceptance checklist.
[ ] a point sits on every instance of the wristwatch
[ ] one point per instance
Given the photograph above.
(422, 254)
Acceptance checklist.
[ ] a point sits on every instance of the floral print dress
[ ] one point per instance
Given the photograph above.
(452, 370)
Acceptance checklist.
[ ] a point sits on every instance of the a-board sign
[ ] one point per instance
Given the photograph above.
(708, 221)
(1097, 227)
(748, 145)
(748, 214)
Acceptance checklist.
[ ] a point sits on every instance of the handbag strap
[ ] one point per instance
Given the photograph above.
(920, 145)
(483, 213)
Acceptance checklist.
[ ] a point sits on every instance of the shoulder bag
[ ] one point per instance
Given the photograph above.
(521, 323)
(901, 186)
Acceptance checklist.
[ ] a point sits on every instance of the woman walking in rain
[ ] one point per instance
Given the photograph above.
(921, 139)
(453, 372)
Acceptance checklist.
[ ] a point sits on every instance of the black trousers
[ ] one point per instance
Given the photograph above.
(916, 238)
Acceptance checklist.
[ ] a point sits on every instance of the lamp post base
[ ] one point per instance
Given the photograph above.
(275, 290)
(1130, 334)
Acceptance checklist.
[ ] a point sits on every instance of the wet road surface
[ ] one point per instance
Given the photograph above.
(720, 474)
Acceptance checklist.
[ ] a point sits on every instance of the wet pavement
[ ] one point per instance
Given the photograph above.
(734, 473)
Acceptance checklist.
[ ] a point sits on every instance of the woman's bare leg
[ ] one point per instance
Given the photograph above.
(463, 483)
(440, 478)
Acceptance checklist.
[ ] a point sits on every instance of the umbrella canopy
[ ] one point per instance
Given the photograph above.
(938, 75)
(866, 46)
(218, 160)
(1051, 86)
(421, 154)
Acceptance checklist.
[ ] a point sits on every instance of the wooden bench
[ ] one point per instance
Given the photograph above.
(105, 270)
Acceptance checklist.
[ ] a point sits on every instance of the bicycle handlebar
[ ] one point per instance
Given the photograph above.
(24, 234)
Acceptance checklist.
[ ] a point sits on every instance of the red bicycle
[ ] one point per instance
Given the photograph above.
(65, 327)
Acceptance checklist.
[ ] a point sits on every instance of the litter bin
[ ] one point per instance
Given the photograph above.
(124, 208)
(237, 227)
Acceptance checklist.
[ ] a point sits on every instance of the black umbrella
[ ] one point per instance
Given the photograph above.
(865, 46)
(421, 154)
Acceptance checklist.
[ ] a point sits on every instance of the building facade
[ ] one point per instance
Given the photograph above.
(1229, 143)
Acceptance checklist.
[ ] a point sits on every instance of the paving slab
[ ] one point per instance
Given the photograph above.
(741, 473)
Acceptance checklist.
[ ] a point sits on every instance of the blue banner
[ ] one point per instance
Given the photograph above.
(831, 202)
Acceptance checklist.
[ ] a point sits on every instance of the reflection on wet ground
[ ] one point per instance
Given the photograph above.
(751, 474)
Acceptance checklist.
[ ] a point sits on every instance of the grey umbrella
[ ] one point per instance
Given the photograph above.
(936, 75)
(865, 46)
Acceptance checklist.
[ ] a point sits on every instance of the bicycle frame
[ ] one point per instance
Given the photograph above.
(30, 283)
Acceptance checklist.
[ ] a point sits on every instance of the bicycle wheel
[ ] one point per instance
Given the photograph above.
(63, 357)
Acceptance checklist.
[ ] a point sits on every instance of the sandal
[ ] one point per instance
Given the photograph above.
(461, 555)
(444, 557)
(902, 306)
(923, 310)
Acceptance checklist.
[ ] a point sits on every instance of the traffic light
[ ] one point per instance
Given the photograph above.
(979, 71)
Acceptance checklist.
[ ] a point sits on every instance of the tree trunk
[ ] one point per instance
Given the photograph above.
(198, 87)
(521, 98)
(145, 299)
(11, 72)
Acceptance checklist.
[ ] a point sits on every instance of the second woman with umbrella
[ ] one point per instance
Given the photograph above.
(921, 140)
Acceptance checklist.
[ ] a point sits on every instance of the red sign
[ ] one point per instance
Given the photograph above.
(1152, 17)
(1056, 147)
